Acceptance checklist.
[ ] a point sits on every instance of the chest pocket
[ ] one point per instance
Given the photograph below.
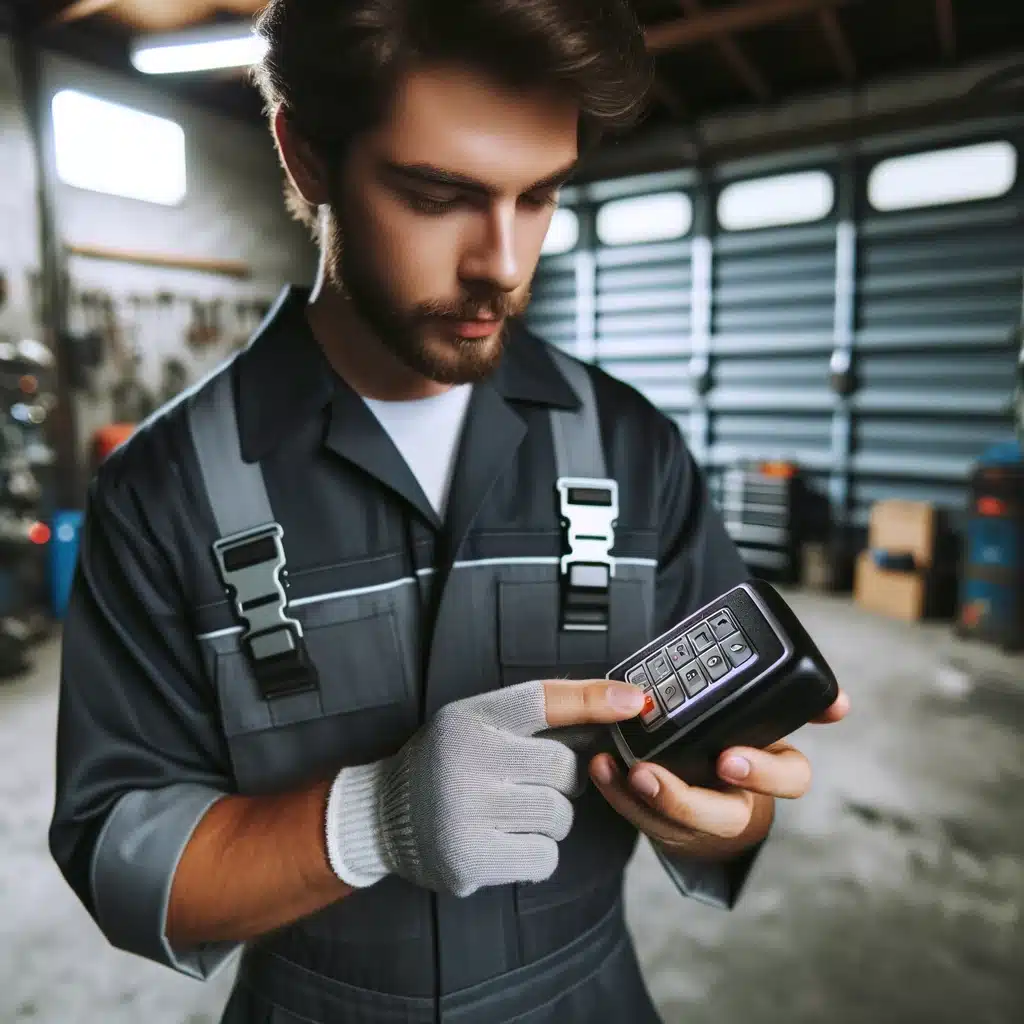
(531, 644)
(363, 646)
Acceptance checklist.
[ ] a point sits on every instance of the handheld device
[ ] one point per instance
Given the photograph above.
(741, 671)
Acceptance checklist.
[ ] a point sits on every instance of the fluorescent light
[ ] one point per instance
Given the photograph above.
(105, 147)
(200, 50)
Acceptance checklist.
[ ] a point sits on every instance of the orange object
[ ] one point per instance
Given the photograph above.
(785, 470)
(106, 439)
(39, 533)
(989, 506)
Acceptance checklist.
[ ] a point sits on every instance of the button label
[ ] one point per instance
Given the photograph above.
(693, 678)
(722, 624)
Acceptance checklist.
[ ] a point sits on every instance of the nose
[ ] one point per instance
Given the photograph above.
(491, 255)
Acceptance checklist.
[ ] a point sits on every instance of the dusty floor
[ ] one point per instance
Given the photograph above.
(892, 893)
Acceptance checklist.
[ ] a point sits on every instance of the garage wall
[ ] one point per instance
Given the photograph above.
(145, 315)
(736, 333)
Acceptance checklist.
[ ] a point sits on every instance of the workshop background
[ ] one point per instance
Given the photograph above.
(811, 255)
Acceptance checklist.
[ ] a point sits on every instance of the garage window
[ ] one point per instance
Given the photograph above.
(940, 177)
(105, 147)
(563, 233)
(651, 218)
(799, 198)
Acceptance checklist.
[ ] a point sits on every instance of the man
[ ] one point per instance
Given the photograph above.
(392, 823)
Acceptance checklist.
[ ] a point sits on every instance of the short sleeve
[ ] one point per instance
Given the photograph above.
(140, 757)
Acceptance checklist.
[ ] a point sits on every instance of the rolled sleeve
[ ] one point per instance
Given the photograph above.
(697, 562)
(133, 864)
(140, 755)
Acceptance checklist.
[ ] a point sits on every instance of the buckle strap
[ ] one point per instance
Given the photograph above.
(589, 509)
(251, 564)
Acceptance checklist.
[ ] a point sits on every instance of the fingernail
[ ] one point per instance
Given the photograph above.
(646, 784)
(602, 771)
(625, 697)
(736, 767)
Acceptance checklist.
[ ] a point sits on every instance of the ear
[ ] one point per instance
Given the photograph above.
(306, 170)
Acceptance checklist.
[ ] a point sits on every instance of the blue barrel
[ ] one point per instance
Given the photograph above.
(992, 588)
(65, 529)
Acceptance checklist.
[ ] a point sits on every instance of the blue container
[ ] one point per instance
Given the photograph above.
(994, 542)
(65, 529)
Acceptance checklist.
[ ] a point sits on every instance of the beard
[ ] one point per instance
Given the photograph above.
(420, 336)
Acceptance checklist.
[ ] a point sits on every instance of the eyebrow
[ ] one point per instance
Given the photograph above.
(427, 174)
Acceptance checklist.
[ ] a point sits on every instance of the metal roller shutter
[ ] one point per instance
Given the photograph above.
(737, 334)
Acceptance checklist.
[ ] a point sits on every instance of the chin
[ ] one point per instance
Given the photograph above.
(465, 361)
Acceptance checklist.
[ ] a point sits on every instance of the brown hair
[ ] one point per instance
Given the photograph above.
(334, 64)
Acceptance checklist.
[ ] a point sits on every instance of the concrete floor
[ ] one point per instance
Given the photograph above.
(892, 893)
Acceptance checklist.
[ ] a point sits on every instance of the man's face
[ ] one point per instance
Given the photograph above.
(439, 215)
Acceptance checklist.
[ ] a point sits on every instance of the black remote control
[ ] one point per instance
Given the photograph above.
(742, 671)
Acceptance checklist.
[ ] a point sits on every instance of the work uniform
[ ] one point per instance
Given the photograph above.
(402, 611)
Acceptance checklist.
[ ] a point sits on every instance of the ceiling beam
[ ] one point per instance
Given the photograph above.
(947, 28)
(77, 10)
(731, 53)
(838, 44)
(683, 32)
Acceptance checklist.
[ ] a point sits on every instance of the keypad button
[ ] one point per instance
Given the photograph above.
(638, 677)
(701, 637)
(693, 678)
(659, 667)
(714, 661)
(679, 652)
(722, 624)
(651, 712)
(671, 693)
(736, 648)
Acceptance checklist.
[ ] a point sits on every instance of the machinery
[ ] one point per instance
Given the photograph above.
(26, 462)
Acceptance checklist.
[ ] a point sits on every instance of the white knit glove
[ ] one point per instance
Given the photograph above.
(475, 798)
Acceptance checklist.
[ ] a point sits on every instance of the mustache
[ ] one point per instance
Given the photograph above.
(493, 307)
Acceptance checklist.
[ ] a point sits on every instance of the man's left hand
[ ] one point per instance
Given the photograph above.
(711, 824)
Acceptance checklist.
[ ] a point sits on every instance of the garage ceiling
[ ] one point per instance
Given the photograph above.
(714, 56)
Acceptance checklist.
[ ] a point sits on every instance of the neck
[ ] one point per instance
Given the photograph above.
(356, 353)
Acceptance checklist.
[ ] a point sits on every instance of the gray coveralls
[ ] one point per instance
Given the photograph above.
(163, 710)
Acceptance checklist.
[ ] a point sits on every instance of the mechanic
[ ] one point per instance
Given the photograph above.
(328, 697)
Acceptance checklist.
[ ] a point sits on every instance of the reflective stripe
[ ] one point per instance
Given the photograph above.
(407, 580)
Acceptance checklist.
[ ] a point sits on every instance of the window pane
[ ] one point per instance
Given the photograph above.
(563, 233)
(104, 147)
(799, 198)
(939, 177)
(655, 218)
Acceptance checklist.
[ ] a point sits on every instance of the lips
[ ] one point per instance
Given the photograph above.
(479, 328)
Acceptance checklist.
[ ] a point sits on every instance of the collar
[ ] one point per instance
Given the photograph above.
(284, 378)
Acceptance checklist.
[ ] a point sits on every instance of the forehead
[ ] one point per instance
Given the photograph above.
(463, 122)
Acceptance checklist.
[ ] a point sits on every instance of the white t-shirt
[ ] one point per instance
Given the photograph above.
(427, 432)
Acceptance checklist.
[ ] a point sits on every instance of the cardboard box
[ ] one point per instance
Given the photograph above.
(904, 527)
(900, 595)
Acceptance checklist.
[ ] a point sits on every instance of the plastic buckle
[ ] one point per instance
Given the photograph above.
(250, 565)
(589, 509)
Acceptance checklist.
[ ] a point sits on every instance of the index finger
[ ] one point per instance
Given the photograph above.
(590, 701)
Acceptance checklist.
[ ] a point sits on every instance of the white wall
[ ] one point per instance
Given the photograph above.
(233, 211)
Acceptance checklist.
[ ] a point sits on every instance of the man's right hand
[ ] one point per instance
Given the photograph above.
(476, 797)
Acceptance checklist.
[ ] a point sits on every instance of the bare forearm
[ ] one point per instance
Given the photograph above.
(253, 864)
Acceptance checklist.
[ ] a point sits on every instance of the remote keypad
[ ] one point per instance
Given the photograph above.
(689, 664)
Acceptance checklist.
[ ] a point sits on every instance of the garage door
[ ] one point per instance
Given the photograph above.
(853, 311)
